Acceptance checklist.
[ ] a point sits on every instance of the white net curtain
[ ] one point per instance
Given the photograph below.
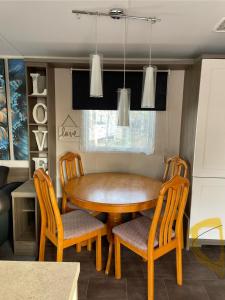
(101, 132)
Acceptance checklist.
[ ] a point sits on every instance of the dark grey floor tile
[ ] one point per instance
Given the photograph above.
(191, 289)
(192, 271)
(199, 281)
(107, 289)
(137, 289)
(163, 270)
(132, 269)
(88, 270)
(212, 252)
(215, 289)
(82, 288)
(197, 271)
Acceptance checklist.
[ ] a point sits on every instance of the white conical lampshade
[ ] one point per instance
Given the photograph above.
(96, 76)
(148, 95)
(123, 107)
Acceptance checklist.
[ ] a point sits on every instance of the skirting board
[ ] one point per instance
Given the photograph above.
(201, 242)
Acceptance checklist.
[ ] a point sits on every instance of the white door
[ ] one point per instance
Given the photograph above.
(208, 202)
(209, 157)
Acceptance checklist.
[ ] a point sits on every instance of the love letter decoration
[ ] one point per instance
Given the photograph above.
(40, 136)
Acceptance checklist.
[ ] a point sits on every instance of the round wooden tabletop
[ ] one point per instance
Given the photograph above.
(113, 192)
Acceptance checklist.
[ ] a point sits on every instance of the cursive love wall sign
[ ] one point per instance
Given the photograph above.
(68, 131)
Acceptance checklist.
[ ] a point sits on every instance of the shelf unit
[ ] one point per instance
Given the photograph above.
(26, 213)
(47, 75)
(25, 205)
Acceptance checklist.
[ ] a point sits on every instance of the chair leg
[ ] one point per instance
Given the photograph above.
(179, 263)
(78, 247)
(89, 245)
(59, 253)
(182, 236)
(117, 258)
(150, 279)
(64, 200)
(134, 215)
(108, 264)
(42, 246)
(99, 252)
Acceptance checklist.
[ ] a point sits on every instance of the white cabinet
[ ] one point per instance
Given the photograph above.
(209, 153)
(208, 201)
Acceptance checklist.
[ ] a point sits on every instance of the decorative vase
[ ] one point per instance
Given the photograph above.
(34, 77)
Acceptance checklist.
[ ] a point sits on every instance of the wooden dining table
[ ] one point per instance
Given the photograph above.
(114, 194)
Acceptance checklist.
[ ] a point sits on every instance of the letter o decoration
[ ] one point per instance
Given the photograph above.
(35, 113)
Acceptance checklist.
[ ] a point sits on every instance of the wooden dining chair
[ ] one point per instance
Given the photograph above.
(154, 238)
(67, 229)
(70, 166)
(175, 166)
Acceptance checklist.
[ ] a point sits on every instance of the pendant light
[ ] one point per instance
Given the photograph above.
(149, 78)
(124, 93)
(96, 75)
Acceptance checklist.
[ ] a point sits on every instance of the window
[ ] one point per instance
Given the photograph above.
(101, 132)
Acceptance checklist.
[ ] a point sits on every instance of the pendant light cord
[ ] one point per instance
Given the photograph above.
(150, 43)
(96, 33)
(124, 52)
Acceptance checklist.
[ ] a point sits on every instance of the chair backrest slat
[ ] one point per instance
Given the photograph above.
(175, 166)
(70, 166)
(168, 221)
(50, 214)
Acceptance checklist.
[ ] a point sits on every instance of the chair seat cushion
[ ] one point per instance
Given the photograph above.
(136, 232)
(74, 207)
(77, 223)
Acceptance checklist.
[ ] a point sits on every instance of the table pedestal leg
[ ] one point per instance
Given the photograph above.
(113, 220)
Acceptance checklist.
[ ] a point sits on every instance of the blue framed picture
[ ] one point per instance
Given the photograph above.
(4, 134)
(18, 102)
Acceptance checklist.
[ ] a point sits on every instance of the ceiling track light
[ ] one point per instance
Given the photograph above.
(116, 14)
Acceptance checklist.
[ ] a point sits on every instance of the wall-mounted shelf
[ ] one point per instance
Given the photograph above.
(37, 96)
(37, 151)
(47, 82)
(35, 124)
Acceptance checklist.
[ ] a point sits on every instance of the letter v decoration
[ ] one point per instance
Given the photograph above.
(40, 136)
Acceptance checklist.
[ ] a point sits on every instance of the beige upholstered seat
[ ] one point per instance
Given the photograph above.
(75, 207)
(136, 232)
(77, 223)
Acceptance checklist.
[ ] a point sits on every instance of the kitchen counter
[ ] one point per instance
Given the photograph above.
(21, 280)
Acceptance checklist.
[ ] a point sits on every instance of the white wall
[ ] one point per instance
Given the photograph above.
(168, 126)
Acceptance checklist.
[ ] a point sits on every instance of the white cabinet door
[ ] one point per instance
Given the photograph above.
(209, 158)
(208, 201)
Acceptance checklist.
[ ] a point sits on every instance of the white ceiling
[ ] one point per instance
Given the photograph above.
(48, 28)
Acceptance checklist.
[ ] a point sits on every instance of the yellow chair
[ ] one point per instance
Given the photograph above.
(175, 166)
(152, 239)
(70, 166)
(64, 230)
